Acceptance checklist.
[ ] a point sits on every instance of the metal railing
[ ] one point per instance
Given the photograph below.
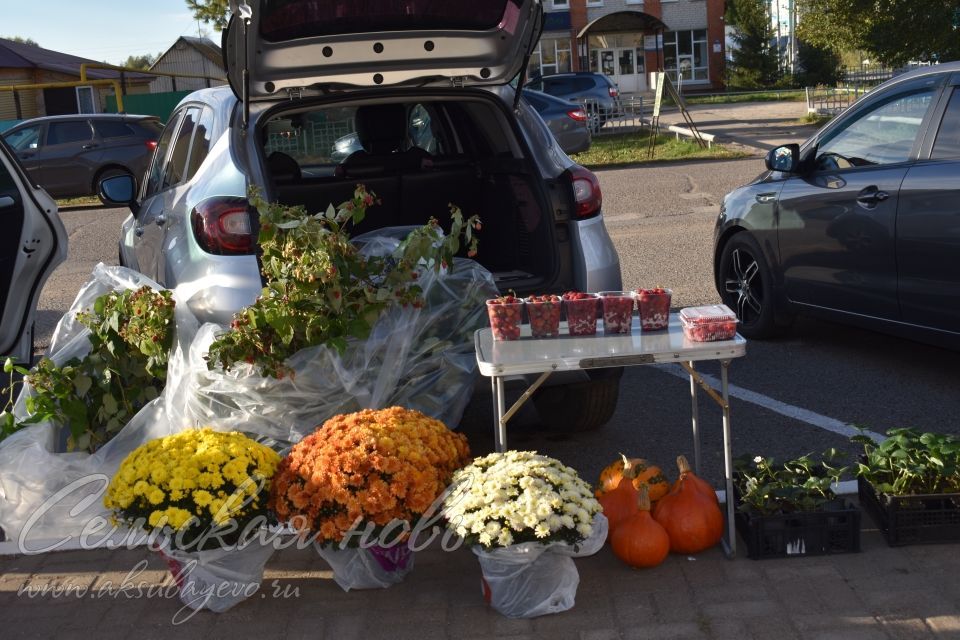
(831, 101)
(626, 115)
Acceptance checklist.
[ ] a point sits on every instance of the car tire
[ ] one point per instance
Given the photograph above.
(580, 406)
(745, 284)
(108, 173)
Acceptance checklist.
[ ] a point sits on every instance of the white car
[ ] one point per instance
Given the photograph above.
(420, 108)
(32, 245)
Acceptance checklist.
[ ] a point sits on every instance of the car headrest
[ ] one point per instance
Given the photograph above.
(381, 128)
(283, 167)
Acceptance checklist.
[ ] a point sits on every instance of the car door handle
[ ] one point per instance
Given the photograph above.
(871, 196)
(765, 198)
(160, 220)
(90, 146)
(6, 201)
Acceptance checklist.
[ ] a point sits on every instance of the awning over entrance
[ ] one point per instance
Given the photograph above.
(624, 21)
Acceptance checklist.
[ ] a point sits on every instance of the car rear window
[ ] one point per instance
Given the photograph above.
(948, 136)
(292, 19)
(111, 129)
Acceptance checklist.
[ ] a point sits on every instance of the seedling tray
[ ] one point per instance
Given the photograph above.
(912, 519)
(835, 529)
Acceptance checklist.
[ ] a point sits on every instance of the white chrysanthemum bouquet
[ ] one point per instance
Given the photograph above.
(519, 496)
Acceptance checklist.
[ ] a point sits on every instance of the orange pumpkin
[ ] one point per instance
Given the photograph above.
(693, 520)
(641, 541)
(620, 503)
(647, 474)
(701, 485)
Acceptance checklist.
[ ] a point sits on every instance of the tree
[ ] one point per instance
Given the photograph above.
(755, 62)
(817, 66)
(215, 12)
(894, 32)
(139, 62)
(21, 40)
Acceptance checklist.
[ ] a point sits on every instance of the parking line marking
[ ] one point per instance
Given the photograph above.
(791, 411)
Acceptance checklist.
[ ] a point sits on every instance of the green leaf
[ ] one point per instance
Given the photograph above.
(8, 365)
(82, 384)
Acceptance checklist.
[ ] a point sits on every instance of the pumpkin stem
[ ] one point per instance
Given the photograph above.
(643, 499)
(683, 466)
(629, 471)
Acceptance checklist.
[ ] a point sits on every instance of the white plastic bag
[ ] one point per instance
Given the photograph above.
(47, 493)
(217, 579)
(531, 579)
(371, 568)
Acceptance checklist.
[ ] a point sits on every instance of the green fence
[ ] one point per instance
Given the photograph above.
(148, 104)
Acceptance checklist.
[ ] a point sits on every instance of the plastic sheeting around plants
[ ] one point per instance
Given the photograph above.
(217, 579)
(531, 579)
(47, 493)
(420, 359)
(371, 568)
(417, 358)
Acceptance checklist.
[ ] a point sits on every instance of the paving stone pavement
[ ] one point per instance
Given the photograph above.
(882, 592)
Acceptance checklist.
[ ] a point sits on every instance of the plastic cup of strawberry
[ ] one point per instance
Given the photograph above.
(581, 309)
(653, 306)
(544, 314)
(506, 315)
(617, 311)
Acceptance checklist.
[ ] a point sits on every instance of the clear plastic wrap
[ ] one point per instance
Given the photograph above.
(416, 358)
(372, 568)
(531, 579)
(420, 359)
(47, 493)
(218, 579)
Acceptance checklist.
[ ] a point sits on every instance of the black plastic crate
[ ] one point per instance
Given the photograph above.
(835, 529)
(914, 519)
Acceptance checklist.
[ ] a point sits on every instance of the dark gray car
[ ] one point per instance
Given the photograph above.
(567, 120)
(594, 91)
(69, 155)
(861, 223)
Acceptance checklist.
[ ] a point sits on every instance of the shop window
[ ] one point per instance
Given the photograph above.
(551, 56)
(685, 54)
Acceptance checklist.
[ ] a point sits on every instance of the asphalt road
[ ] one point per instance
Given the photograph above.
(661, 219)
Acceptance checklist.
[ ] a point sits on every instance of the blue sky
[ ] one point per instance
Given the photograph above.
(102, 30)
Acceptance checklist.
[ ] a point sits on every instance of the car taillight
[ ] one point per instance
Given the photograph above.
(578, 114)
(586, 191)
(151, 144)
(222, 226)
(613, 91)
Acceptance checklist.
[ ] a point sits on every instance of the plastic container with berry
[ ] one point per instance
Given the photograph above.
(617, 311)
(581, 310)
(506, 315)
(653, 306)
(544, 314)
(708, 323)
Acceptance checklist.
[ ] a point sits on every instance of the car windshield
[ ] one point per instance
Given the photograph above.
(291, 19)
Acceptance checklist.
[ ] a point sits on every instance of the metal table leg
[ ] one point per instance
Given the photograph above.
(695, 419)
(500, 438)
(722, 399)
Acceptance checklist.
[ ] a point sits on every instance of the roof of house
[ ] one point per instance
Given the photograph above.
(204, 46)
(18, 55)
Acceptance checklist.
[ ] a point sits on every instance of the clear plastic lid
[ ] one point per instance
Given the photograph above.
(707, 314)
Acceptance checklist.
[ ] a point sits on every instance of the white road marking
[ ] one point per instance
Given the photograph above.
(797, 413)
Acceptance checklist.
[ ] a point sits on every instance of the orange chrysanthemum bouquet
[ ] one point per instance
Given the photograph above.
(363, 480)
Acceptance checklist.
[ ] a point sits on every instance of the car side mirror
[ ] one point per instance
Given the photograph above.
(119, 190)
(785, 158)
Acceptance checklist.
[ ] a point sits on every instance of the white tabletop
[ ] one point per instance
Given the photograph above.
(566, 353)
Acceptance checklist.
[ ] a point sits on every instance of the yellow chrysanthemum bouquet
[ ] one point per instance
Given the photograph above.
(202, 494)
(364, 479)
(201, 488)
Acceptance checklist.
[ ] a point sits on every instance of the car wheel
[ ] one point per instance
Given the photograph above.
(746, 286)
(108, 173)
(580, 406)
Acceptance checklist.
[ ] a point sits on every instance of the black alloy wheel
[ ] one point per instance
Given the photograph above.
(746, 286)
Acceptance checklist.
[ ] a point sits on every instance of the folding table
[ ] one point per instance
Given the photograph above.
(510, 358)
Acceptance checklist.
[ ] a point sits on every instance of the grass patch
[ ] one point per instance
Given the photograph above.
(85, 201)
(632, 148)
(815, 118)
(787, 95)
